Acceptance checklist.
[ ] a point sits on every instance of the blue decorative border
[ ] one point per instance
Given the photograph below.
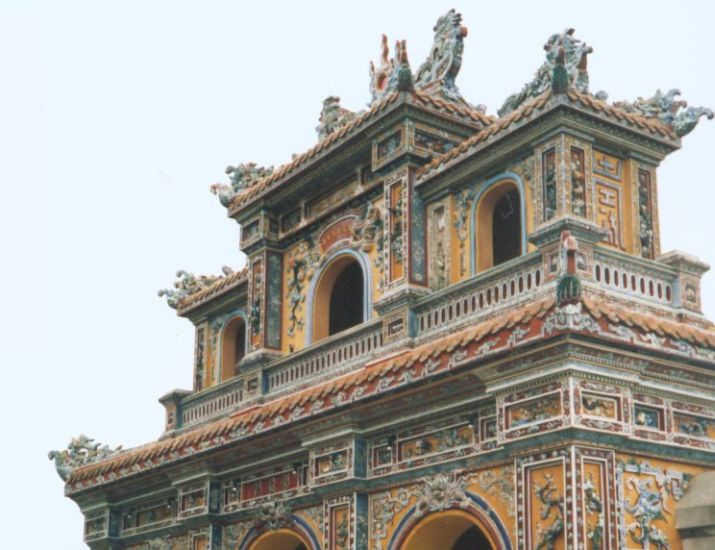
(479, 502)
(364, 262)
(239, 312)
(484, 187)
(304, 529)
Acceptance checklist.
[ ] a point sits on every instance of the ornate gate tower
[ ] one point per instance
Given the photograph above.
(453, 331)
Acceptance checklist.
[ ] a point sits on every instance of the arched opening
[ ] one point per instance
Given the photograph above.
(449, 530)
(233, 347)
(339, 302)
(281, 539)
(498, 226)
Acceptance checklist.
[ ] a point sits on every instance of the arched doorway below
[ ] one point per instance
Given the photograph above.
(498, 226)
(339, 298)
(233, 347)
(450, 530)
(281, 539)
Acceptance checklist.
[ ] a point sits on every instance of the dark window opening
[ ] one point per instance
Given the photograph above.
(506, 228)
(346, 299)
(472, 539)
(239, 346)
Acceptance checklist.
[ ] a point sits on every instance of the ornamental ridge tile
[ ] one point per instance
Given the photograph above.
(416, 98)
(219, 432)
(533, 107)
(218, 287)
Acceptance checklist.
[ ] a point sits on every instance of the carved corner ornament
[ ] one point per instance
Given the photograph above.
(82, 450)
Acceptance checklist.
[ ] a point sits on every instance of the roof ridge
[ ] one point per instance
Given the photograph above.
(497, 125)
(194, 299)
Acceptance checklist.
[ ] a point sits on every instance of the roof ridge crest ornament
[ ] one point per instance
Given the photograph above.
(436, 76)
(242, 177)
(188, 284)
(561, 49)
(672, 112)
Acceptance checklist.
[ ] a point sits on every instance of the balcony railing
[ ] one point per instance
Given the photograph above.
(505, 286)
(499, 288)
(336, 354)
(631, 276)
(211, 403)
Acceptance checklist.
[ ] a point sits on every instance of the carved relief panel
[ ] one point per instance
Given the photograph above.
(609, 198)
(579, 180)
(439, 215)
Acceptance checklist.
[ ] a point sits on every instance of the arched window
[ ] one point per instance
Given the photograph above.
(233, 347)
(498, 225)
(281, 539)
(339, 301)
(450, 530)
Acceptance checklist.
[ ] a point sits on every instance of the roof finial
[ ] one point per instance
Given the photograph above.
(560, 78)
(404, 72)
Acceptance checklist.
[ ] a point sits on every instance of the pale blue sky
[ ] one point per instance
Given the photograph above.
(115, 117)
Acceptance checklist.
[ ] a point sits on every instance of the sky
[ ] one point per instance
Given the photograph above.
(115, 117)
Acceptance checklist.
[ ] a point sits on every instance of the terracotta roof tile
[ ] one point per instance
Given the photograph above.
(499, 125)
(185, 443)
(216, 288)
(417, 97)
(524, 111)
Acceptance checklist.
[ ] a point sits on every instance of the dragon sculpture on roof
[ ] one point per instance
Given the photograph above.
(436, 76)
(188, 284)
(560, 48)
(81, 450)
(242, 177)
(671, 111)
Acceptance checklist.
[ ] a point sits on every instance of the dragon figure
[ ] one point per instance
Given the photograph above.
(81, 450)
(333, 117)
(667, 108)
(545, 493)
(440, 69)
(561, 48)
(242, 177)
(647, 508)
(188, 284)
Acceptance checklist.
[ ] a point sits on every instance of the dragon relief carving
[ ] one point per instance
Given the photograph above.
(82, 450)
(242, 177)
(545, 493)
(441, 492)
(668, 109)
(560, 48)
(300, 268)
(594, 505)
(273, 515)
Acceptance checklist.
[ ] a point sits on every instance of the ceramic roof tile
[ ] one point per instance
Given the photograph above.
(417, 97)
(595, 305)
(216, 288)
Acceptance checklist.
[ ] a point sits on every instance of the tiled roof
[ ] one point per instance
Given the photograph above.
(502, 124)
(494, 335)
(216, 288)
(650, 323)
(153, 452)
(533, 107)
(652, 125)
(418, 98)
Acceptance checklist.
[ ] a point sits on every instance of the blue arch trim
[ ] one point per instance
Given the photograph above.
(305, 529)
(480, 503)
(483, 188)
(219, 346)
(364, 262)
